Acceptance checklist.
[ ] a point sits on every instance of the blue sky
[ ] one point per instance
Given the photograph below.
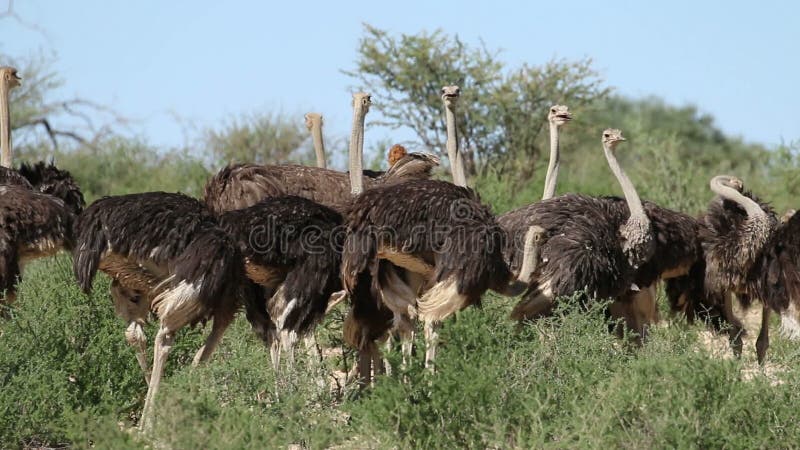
(207, 60)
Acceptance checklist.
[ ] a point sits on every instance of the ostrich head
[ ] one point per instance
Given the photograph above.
(313, 119)
(559, 115)
(363, 100)
(733, 182)
(612, 137)
(396, 153)
(10, 77)
(450, 95)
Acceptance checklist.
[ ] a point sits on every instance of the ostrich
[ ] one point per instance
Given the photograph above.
(167, 255)
(246, 186)
(713, 303)
(429, 248)
(37, 204)
(314, 125)
(749, 252)
(606, 247)
(242, 185)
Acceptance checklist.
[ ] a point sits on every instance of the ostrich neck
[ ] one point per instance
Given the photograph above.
(319, 146)
(5, 126)
(752, 208)
(356, 150)
(757, 227)
(552, 167)
(456, 161)
(530, 256)
(637, 244)
(631, 196)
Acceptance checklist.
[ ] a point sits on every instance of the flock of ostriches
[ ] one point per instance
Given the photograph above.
(287, 242)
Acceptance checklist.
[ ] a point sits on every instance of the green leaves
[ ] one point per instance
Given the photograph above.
(502, 111)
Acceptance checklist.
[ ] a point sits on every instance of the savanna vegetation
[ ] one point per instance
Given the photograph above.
(68, 378)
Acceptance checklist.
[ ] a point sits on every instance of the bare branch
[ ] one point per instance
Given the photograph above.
(10, 13)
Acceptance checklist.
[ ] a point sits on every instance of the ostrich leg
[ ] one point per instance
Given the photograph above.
(431, 329)
(737, 330)
(136, 338)
(762, 343)
(407, 347)
(218, 328)
(164, 340)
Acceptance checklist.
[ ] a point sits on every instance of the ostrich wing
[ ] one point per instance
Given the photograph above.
(411, 166)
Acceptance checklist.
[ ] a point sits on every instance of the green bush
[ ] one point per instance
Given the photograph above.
(67, 376)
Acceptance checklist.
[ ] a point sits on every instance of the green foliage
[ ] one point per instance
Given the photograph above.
(123, 166)
(501, 110)
(67, 376)
(260, 139)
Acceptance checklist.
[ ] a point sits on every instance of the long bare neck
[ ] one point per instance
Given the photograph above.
(552, 167)
(5, 125)
(752, 208)
(631, 196)
(319, 146)
(637, 238)
(357, 150)
(456, 161)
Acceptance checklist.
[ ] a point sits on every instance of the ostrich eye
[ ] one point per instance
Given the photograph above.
(606, 135)
(553, 110)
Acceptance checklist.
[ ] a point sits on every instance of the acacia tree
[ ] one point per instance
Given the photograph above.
(258, 138)
(502, 112)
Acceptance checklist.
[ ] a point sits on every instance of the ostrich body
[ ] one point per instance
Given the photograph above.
(606, 247)
(426, 249)
(432, 249)
(242, 185)
(32, 225)
(292, 250)
(165, 254)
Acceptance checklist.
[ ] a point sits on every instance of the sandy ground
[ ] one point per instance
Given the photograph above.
(717, 345)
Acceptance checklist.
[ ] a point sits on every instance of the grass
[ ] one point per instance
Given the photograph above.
(67, 377)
